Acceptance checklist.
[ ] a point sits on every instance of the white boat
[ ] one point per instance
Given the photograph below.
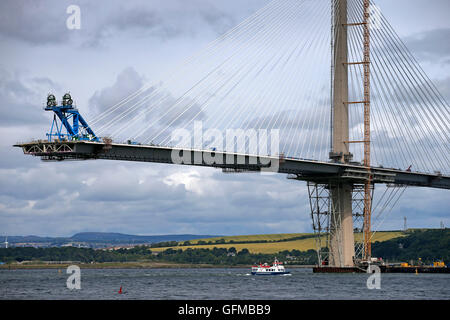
(265, 269)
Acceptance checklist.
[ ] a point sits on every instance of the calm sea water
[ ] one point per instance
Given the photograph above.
(217, 283)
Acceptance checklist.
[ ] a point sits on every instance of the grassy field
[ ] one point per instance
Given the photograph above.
(274, 247)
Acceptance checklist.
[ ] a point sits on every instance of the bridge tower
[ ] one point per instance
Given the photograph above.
(341, 243)
(337, 202)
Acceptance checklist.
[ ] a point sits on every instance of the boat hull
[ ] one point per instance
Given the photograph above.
(273, 273)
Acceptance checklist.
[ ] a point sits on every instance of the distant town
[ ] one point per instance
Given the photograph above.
(95, 240)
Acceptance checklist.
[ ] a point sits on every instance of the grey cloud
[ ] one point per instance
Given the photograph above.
(174, 113)
(219, 21)
(164, 20)
(43, 22)
(298, 129)
(106, 189)
(140, 21)
(127, 82)
(114, 197)
(13, 158)
(22, 118)
(443, 87)
(293, 118)
(149, 106)
(38, 183)
(35, 22)
(431, 45)
(21, 99)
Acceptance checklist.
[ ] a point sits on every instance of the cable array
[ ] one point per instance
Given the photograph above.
(410, 118)
(272, 71)
(262, 74)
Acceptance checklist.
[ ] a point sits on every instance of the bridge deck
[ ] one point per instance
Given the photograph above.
(300, 169)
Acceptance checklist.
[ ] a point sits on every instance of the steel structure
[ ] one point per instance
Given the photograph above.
(79, 130)
(368, 184)
(341, 225)
(340, 191)
(298, 169)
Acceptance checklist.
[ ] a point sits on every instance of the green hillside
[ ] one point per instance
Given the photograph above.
(428, 245)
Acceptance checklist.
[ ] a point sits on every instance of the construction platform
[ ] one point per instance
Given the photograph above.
(383, 269)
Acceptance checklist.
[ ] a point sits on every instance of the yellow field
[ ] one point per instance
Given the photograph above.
(382, 235)
(254, 237)
(274, 247)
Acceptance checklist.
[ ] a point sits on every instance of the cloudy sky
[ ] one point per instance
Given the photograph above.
(121, 46)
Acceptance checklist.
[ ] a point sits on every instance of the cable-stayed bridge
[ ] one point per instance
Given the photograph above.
(324, 91)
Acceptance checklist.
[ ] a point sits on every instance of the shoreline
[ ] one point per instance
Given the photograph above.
(128, 265)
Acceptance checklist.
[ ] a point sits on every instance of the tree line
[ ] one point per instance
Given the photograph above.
(428, 245)
(218, 256)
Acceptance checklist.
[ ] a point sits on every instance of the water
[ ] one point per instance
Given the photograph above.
(217, 283)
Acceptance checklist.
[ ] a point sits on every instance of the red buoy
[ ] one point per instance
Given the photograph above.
(120, 290)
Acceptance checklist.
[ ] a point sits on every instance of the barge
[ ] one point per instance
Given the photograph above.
(383, 269)
(362, 266)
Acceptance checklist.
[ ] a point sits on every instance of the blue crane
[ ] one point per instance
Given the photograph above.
(79, 130)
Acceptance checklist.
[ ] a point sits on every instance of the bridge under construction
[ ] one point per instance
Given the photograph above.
(341, 188)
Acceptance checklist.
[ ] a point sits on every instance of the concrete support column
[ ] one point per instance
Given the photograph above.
(340, 83)
(342, 242)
